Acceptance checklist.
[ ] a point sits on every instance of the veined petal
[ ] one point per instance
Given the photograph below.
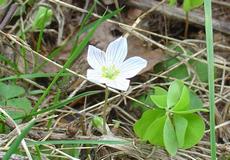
(132, 66)
(95, 76)
(116, 51)
(119, 83)
(95, 57)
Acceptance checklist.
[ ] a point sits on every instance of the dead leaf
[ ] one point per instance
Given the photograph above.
(133, 13)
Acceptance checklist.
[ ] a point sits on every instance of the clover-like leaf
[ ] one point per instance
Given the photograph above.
(170, 138)
(10, 91)
(148, 117)
(195, 101)
(159, 91)
(159, 100)
(184, 101)
(174, 123)
(18, 107)
(174, 93)
(155, 131)
(180, 124)
(195, 130)
(180, 72)
(160, 97)
(201, 70)
(191, 4)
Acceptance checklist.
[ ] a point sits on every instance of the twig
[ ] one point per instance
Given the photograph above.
(219, 126)
(226, 4)
(8, 15)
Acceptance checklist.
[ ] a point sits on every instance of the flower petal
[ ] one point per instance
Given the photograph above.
(132, 66)
(119, 83)
(116, 51)
(95, 57)
(95, 76)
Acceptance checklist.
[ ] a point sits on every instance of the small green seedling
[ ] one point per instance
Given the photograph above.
(42, 17)
(13, 101)
(188, 5)
(98, 122)
(173, 124)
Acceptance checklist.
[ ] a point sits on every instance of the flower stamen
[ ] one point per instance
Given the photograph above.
(110, 72)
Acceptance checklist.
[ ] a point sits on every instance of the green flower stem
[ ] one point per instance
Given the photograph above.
(105, 109)
(209, 43)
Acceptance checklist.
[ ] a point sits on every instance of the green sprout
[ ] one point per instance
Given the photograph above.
(188, 5)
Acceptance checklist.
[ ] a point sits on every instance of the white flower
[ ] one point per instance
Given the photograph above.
(111, 68)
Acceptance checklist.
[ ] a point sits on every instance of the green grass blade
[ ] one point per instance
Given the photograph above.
(209, 43)
(33, 75)
(98, 142)
(39, 155)
(17, 141)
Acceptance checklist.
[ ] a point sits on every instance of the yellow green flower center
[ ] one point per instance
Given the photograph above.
(110, 72)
